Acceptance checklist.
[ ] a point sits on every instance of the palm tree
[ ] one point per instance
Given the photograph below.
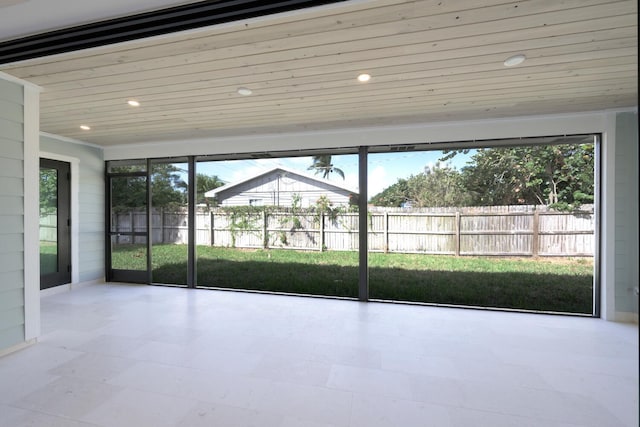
(322, 164)
(205, 183)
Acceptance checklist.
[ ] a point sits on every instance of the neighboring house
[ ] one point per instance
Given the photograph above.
(278, 187)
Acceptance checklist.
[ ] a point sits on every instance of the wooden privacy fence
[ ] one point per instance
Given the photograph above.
(506, 231)
(49, 228)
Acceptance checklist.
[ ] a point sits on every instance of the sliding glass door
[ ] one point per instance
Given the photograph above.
(169, 221)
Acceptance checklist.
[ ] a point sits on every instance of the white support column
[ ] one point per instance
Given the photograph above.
(31, 212)
(607, 220)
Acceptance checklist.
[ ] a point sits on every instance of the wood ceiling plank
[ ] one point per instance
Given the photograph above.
(401, 103)
(179, 56)
(372, 60)
(415, 90)
(497, 109)
(198, 78)
(111, 139)
(251, 31)
(431, 60)
(419, 89)
(431, 31)
(417, 71)
(171, 94)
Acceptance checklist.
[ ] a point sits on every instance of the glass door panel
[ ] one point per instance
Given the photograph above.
(128, 228)
(286, 224)
(496, 226)
(169, 222)
(55, 225)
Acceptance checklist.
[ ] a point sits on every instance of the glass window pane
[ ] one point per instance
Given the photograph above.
(129, 222)
(48, 220)
(279, 224)
(505, 227)
(170, 222)
(129, 253)
(126, 166)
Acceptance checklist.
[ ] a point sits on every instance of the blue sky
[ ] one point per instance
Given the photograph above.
(384, 168)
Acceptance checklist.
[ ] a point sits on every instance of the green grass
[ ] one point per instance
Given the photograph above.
(563, 285)
(48, 257)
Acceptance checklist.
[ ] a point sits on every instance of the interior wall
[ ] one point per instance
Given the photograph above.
(90, 203)
(626, 216)
(12, 284)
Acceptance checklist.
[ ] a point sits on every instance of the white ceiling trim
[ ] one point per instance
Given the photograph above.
(425, 133)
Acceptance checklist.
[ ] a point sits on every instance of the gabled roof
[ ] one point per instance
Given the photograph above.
(289, 171)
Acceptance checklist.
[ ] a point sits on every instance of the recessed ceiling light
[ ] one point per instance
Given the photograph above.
(85, 127)
(133, 103)
(364, 77)
(244, 91)
(514, 60)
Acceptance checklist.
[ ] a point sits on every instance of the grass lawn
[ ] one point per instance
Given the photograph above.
(48, 257)
(564, 285)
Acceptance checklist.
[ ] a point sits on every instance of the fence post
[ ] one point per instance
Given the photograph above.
(535, 249)
(116, 226)
(211, 215)
(265, 230)
(162, 223)
(321, 232)
(457, 231)
(132, 228)
(385, 232)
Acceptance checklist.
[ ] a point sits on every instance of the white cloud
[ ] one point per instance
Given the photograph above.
(350, 180)
(378, 180)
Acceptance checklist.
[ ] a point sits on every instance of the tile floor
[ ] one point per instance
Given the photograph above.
(125, 355)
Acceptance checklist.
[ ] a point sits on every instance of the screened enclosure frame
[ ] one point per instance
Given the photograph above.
(362, 153)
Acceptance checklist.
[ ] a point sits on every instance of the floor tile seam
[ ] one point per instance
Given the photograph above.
(50, 414)
(543, 414)
(306, 357)
(448, 406)
(381, 395)
(198, 402)
(251, 406)
(409, 375)
(172, 365)
(123, 389)
(487, 411)
(635, 378)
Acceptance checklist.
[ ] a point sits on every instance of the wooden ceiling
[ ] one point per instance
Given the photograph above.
(430, 61)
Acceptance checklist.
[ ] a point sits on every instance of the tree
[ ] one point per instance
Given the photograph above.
(168, 190)
(396, 195)
(440, 185)
(48, 190)
(561, 176)
(206, 183)
(437, 186)
(322, 165)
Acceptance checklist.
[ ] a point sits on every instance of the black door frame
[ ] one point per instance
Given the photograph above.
(118, 275)
(62, 275)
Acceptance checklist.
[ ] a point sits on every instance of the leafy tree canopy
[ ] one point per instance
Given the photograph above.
(206, 183)
(48, 191)
(437, 186)
(561, 176)
(168, 190)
